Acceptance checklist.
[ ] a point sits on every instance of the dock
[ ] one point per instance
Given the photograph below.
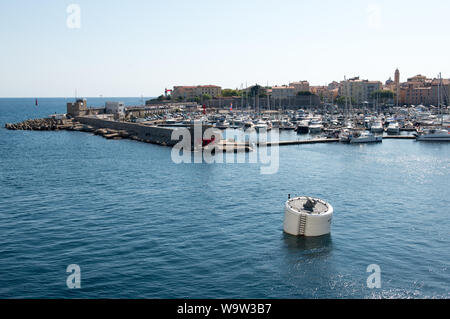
(229, 146)
(297, 142)
(399, 137)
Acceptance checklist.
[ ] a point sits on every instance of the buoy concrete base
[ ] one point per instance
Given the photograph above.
(306, 216)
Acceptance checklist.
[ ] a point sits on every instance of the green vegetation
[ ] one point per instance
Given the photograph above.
(257, 90)
(340, 100)
(304, 93)
(230, 93)
(383, 94)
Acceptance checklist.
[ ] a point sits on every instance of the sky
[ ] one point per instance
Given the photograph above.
(52, 48)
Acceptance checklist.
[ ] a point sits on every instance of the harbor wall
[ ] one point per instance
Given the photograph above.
(152, 134)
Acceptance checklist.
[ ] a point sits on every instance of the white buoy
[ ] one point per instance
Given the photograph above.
(306, 216)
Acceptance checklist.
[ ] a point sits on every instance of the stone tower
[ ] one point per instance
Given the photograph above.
(397, 77)
(78, 108)
(397, 86)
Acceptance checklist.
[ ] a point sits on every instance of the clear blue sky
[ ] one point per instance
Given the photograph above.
(129, 48)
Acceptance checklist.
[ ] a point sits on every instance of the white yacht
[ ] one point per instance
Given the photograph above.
(303, 127)
(377, 127)
(262, 126)
(222, 124)
(315, 126)
(366, 137)
(287, 125)
(345, 136)
(171, 121)
(393, 128)
(434, 135)
(248, 125)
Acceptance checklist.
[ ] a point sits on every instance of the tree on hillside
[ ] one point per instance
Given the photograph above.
(257, 90)
(340, 100)
(383, 96)
(230, 93)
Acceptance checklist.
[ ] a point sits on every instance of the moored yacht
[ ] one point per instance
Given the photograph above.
(377, 127)
(315, 126)
(262, 126)
(434, 135)
(287, 125)
(393, 128)
(248, 125)
(345, 136)
(303, 127)
(366, 137)
(222, 124)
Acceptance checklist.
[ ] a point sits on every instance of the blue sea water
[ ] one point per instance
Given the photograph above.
(141, 226)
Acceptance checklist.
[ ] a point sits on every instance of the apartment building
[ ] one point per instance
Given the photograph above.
(360, 90)
(190, 92)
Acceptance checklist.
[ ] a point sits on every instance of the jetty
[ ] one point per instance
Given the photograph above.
(399, 137)
(299, 142)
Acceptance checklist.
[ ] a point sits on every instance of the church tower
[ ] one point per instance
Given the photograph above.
(397, 77)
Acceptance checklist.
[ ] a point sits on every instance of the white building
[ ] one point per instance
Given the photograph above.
(360, 90)
(115, 107)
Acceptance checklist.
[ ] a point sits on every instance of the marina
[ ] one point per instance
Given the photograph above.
(224, 158)
(329, 125)
(51, 202)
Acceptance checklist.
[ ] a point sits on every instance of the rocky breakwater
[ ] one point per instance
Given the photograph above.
(47, 124)
(112, 134)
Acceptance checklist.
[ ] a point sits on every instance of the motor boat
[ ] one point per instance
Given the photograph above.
(377, 127)
(171, 121)
(315, 126)
(262, 126)
(366, 137)
(303, 127)
(345, 136)
(393, 128)
(248, 125)
(222, 124)
(287, 125)
(434, 135)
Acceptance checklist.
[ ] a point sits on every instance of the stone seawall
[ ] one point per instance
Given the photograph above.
(135, 131)
(149, 134)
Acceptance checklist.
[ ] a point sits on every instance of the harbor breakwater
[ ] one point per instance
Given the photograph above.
(106, 128)
(135, 131)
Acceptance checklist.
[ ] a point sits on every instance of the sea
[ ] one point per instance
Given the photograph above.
(138, 225)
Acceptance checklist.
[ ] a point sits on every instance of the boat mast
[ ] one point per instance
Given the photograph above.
(346, 97)
(439, 99)
(242, 97)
